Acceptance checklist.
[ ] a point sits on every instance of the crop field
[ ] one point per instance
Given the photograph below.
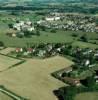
(4, 97)
(87, 96)
(7, 50)
(33, 79)
(6, 62)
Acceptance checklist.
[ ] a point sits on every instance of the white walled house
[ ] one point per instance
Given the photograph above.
(49, 19)
(31, 29)
(54, 18)
(57, 18)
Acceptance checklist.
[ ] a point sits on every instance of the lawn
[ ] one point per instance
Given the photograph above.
(87, 96)
(6, 62)
(33, 79)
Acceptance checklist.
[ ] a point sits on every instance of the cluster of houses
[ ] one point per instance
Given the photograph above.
(83, 56)
(20, 27)
(86, 59)
(74, 74)
(43, 50)
(70, 22)
(51, 17)
(23, 25)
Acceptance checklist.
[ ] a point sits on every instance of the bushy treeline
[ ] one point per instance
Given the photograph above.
(69, 92)
(66, 8)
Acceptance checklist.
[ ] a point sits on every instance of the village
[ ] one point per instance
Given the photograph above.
(74, 22)
(48, 51)
(54, 21)
(85, 60)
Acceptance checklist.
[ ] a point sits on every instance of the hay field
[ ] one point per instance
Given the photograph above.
(6, 62)
(4, 97)
(87, 96)
(7, 50)
(32, 79)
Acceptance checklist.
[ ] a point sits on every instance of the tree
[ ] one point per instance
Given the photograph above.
(68, 93)
(20, 34)
(10, 25)
(89, 82)
(74, 35)
(1, 44)
(53, 31)
(43, 28)
(37, 32)
(84, 38)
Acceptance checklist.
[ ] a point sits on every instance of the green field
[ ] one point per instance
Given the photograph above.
(87, 96)
(46, 37)
(33, 79)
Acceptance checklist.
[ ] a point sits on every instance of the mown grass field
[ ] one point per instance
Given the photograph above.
(6, 62)
(33, 79)
(87, 96)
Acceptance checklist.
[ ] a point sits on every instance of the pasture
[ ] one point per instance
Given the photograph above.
(6, 62)
(48, 37)
(33, 79)
(87, 96)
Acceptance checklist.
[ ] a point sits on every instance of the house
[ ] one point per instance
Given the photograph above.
(68, 69)
(40, 21)
(30, 29)
(17, 27)
(87, 63)
(65, 70)
(30, 50)
(28, 23)
(41, 53)
(58, 50)
(13, 35)
(19, 50)
(49, 18)
(54, 18)
(49, 47)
